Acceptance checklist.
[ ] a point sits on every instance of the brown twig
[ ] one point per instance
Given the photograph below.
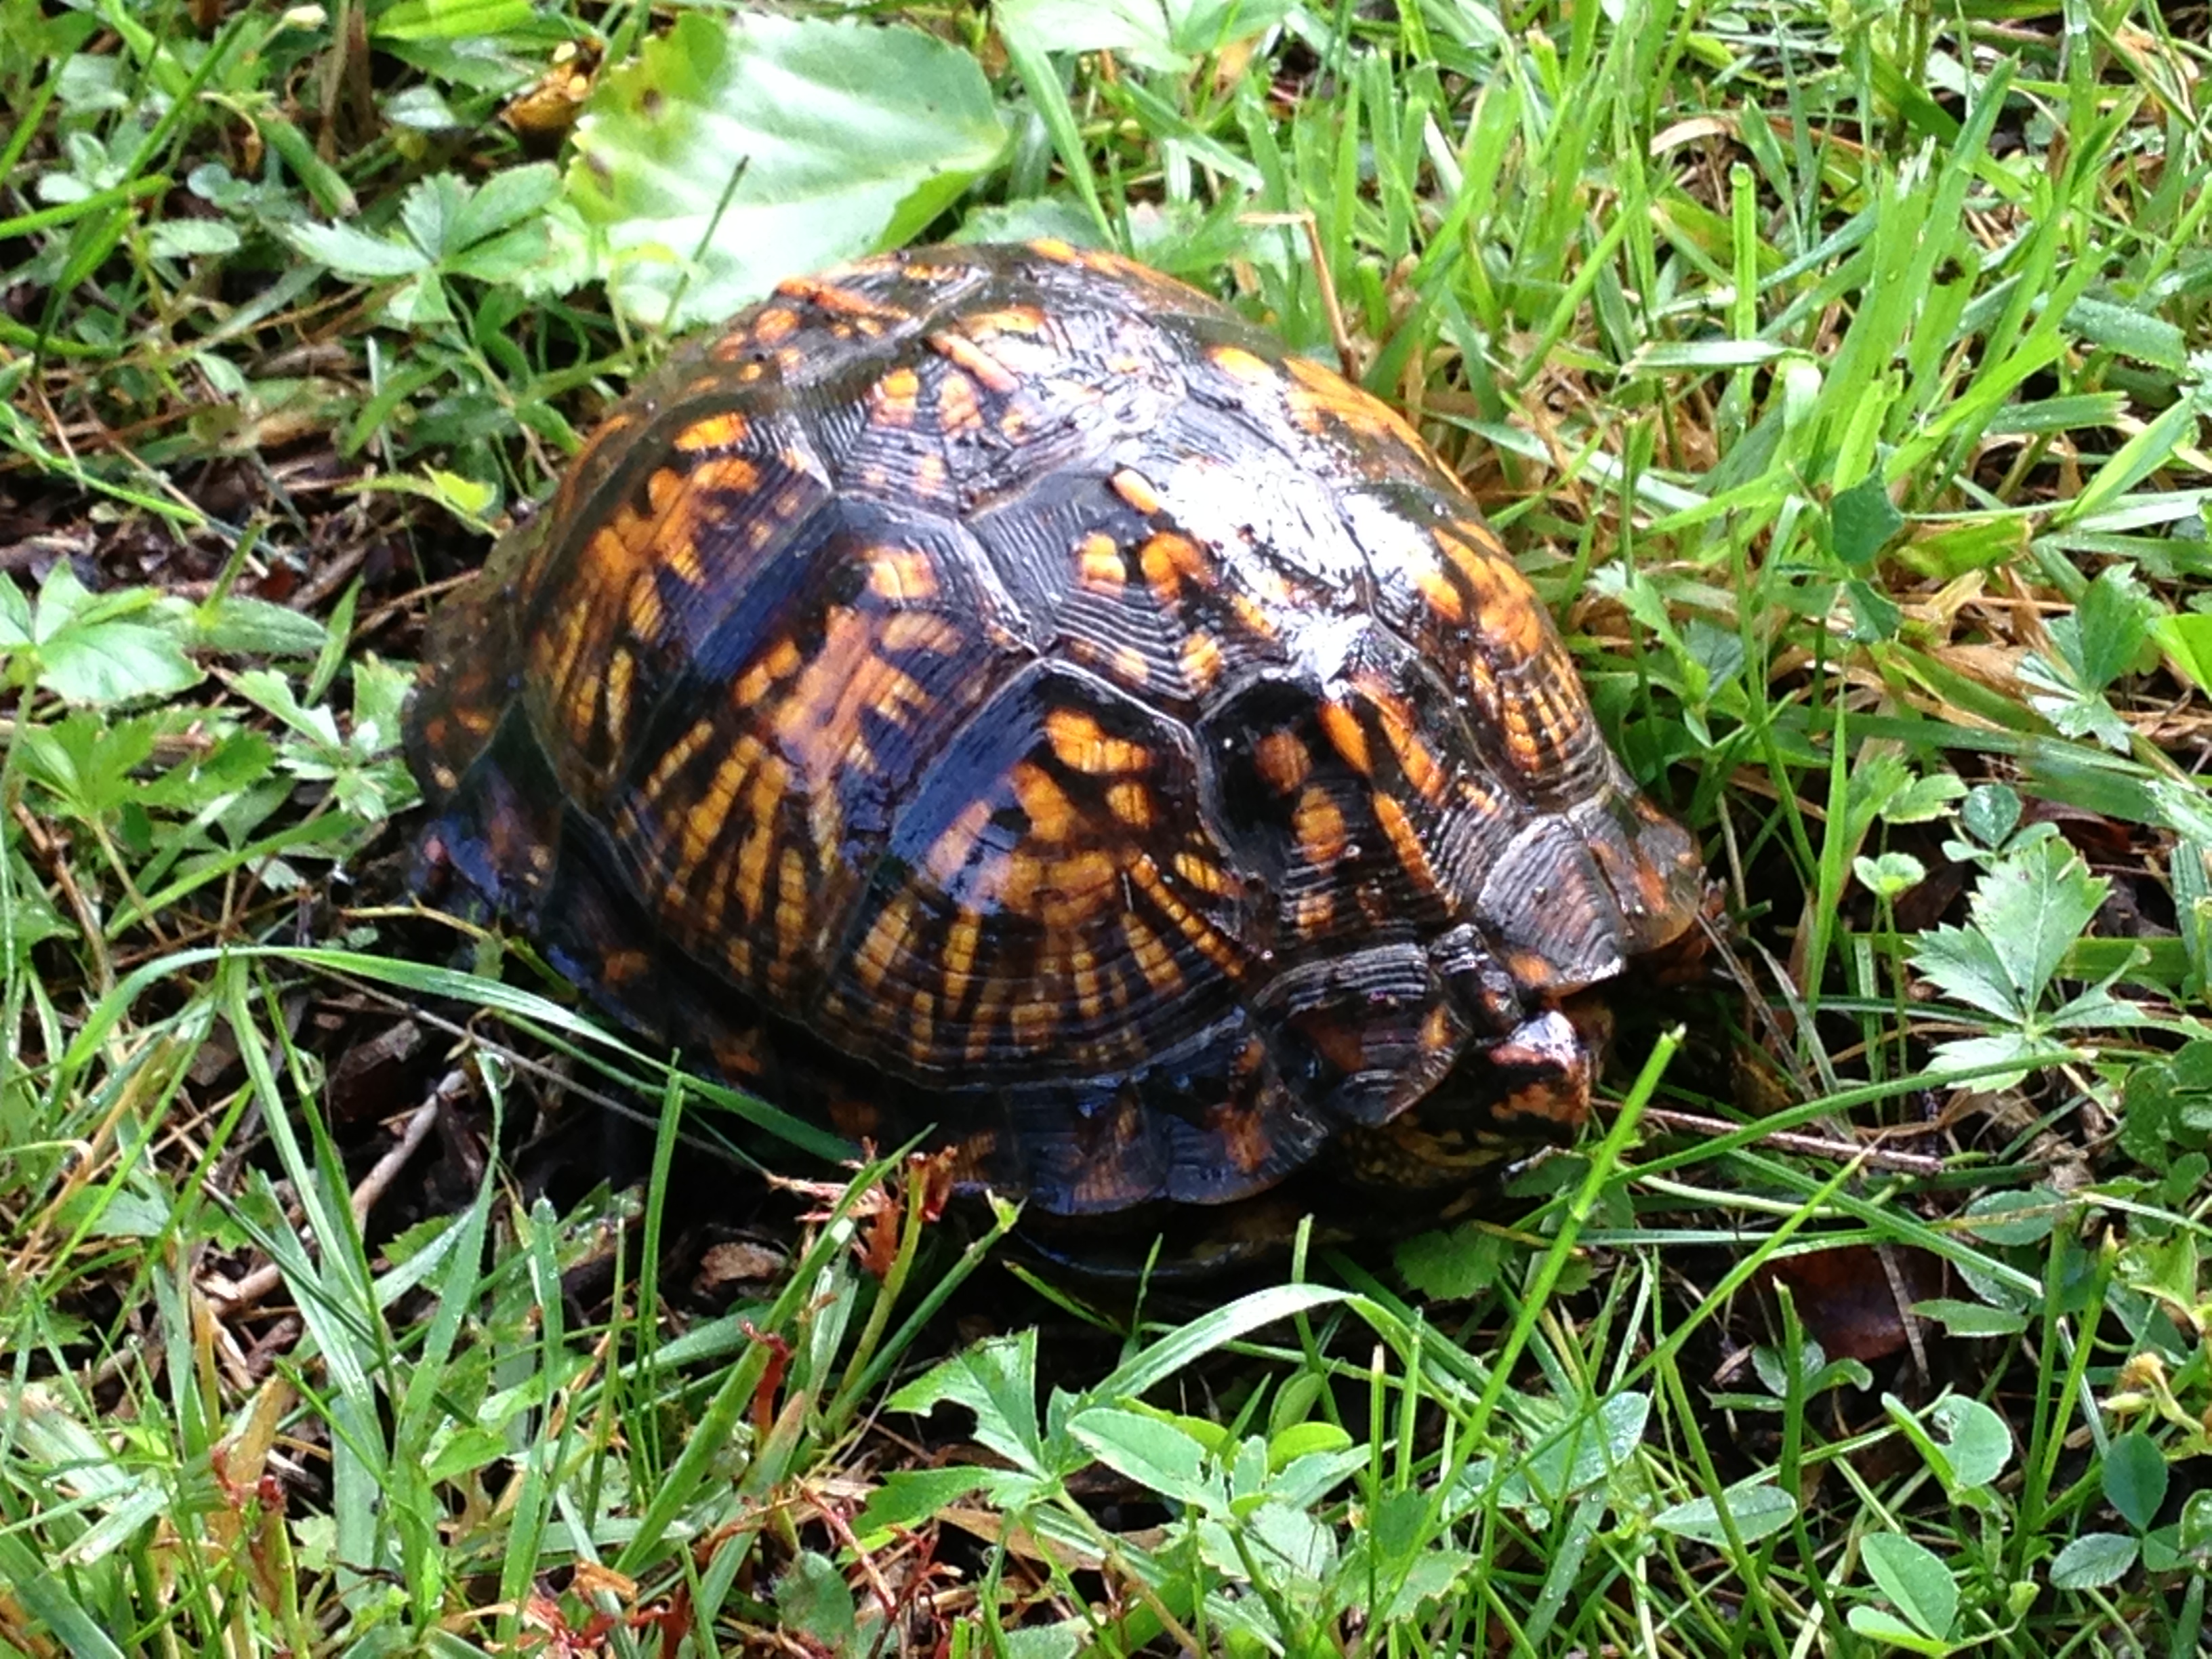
(1843, 1152)
(249, 1290)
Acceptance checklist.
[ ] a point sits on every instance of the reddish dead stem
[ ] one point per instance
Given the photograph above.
(779, 1362)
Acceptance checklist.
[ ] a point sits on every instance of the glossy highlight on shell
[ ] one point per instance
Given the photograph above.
(997, 689)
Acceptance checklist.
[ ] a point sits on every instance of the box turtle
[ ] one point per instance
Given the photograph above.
(996, 690)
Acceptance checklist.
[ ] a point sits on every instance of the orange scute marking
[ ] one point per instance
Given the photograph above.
(1100, 563)
(1135, 488)
(1241, 365)
(724, 431)
(1080, 743)
(1283, 761)
(893, 400)
(959, 350)
(1343, 731)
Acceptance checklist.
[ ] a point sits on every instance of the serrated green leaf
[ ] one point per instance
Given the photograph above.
(238, 621)
(2053, 694)
(2027, 910)
(997, 1381)
(356, 254)
(1453, 1263)
(1963, 964)
(771, 147)
(111, 662)
(2102, 638)
(1159, 1456)
(15, 614)
(1923, 800)
(503, 201)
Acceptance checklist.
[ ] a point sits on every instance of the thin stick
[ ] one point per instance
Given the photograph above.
(249, 1290)
(1843, 1152)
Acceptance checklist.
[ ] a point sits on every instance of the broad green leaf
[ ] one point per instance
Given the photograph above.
(1885, 1627)
(2094, 1560)
(1300, 1439)
(1585, 1452)
(2186, 639)
(1031, 218)
(1970, 1318)
(238, 621)
(185, 238)
(452, 20)
(1915, 1580)
(1061, 1641)
(1432, 1576)
(1282, 1547)
(727, 158)
(908, 1496)
(88, 649)
(1862, 519)
(115, 662)
(2138, 333)
(1135, 29)
(2015, 1217)
(1157, 1455)
(814, 1599)
(2135, 1478)
(2196, 1526)
(1991, 813)
(1891, 875)
(1980, 1443)
(1200, 26)
(1758, 1509)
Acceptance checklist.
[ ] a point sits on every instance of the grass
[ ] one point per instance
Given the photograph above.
(1839, 373)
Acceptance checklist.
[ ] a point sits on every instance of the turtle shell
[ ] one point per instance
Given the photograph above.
(996, 689)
